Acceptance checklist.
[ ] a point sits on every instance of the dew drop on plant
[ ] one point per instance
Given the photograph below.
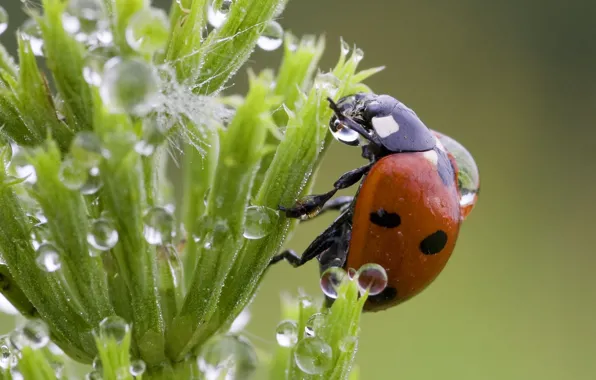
(86, 149)
(48, 258)
(259, 222)
(148, 30)
(129, 85)
(30, 31)
(348, 343)
(72, 175)
(331, 279)
(5, 352)
(272, 36)
(158, 226)
(36, 333)
(344, 134)
(93, 183)
(229, 355)
(206, 197)
(313, 356)
(345, 48)
(137, 367)
(94, 375)
(314, 324)
(287, 333)
(144, 148)
(97, 365)
(85, 19)
(94, 63)
(102, 235)
(23, 168)
(327, 82)
(372, 278)
(358, 55)
(113, 327)
(16, 374)
(217, 17)
(352, 273)
(3, 20)
(468, 178)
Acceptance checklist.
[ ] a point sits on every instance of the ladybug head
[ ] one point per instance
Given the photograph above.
(382, 120)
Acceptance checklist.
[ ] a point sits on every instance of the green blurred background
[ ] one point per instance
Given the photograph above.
(515, 82)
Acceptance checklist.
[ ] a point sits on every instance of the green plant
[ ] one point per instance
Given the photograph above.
(121, 262)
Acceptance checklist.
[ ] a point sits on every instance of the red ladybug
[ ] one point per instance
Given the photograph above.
(417, 189)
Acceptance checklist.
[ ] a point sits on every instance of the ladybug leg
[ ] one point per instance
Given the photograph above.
(337, 204)
(312, 205)
(321, 244)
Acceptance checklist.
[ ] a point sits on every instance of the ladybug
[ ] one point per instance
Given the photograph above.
(416, 190)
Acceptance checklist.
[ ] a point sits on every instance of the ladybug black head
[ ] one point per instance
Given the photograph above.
(381, 119)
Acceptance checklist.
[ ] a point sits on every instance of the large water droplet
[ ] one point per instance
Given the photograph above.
(137, 367)
(72, 174)
(158, 226)
(36, 333)
(93, 183)
(86, 20)
(5, 352)
(372, 278)
(468, 178)
(113, 327)
(331, 279)
(313, 356)
(217, 17)
(260, 220)
(228, 355)
(102, 235)
(48, 258)
(148, 30)
(30, 31)
(327, 82)
(287, 333)
(129, 85)
(86, 149)
(94, 375)
(344, 134)
(272, 36)
(314, 324)
(3, 20)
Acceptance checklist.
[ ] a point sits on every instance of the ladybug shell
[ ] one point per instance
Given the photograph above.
(406, 219)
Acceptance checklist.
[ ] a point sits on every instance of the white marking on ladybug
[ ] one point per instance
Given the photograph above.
(384, 126)
(432, 157)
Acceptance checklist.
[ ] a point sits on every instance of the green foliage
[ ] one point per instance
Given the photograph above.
(177, 278)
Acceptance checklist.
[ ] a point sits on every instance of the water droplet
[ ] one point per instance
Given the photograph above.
(217, 17)
(36, 333)
(48, 258)
(144, 148)
(358, 55)
(94, 64)
(86, 20)
(137, 367)
(313, 356)
(97, 363)
(344, 134)
(30, 31)
(148, 30)
(3, 20)
(86, 149)
(272, 36)
(102, 235)
(287, 333)
(259, 222)
(327, 82)
(158, 226)
(331, 279)
(113, 327)
(468, 178)
(16, 374)
(314, 324)
(93, 183)
(129, 85)
(352, 273)
(23, 168)
(228, 355)
(5, 352)
(372, 277)
(345, 48)
(94, 375)
(348, 343)
(72, 175)
(206, 198)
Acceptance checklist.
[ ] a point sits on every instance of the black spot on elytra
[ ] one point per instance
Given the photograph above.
(433, 243)
(386, 295)
(385, 219)
(445, 168)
